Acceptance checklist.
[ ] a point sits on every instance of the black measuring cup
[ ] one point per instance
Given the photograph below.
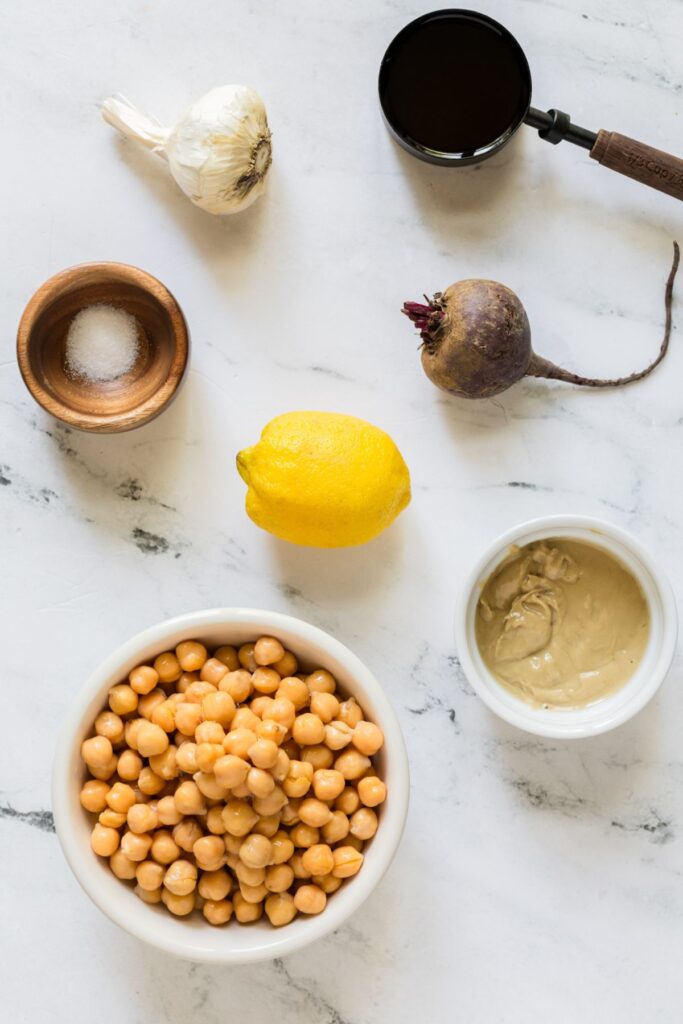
(455, 86)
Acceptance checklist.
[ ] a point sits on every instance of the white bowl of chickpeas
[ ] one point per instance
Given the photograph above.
(230, 785)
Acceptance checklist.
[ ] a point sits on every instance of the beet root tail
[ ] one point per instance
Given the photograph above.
(539, 367)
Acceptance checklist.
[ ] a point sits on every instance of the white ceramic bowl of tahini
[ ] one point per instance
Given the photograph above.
(194, 938)
(618, 707)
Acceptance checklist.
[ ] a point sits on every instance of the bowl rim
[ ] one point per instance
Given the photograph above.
(85, 866)
(523, 715)
(139, 414)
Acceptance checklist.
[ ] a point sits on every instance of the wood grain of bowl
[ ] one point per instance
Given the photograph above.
(135, 397)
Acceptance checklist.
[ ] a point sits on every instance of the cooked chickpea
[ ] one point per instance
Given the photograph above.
(106, 771)
(328, 883)
(163, 715)
(123, 699)
(149, 703)
(238, 741)
(298, 779)
(130, 732)
(180, 877)
(279, 877)
(209, 786)
(215, 885)
(296, 864)
(143, 679)
(255, 851)
(209, 732)
(268, 650)
(181, 906)
(187, 718)
(164, 849)
(280, 769)
(287, 665)
(308, 730)
(97, 751)
(94, 795)
(120, 797)
(244, 719)
(363, 824)
(112, 819)
(347, 861)
(259, 782)
(209, 853)
(186, 757)
(310, 899)
(214, 820)
(104, 840)
(318, 859)
(135, 846)
(196, 692)
(247, 875)
(167, 812)
(146, 896)
(151, 739)
(328, 783)
(354, 842)
(191, 655)
(129, 766)
(304, 836)
(282, 848)
(325, 706)
(246, 912)
(213, 671)
(368, 738)
(238, 817)
(280, 908)
(270, 804)
(263, 753)
(188, 798)
(372, 791)
(253, 893)
(168, 667)
(230, 770)
(186, 833)
(149, 782)
(149, 875)
(348, 801)
(265, 680)
(219, 707)
(207, 755)
(260, 704)
(110, 725)
(121, 866)
(350, 712)
(142, 818)
(246, 658)
(314, 812)
(268, 824)
(321, 681)
(241, 791)
(295, 690)
(217, 912)
(228, 655)
(166, 765)
(338, 735)
(336, 829)
(282, 711)
(352, 764)
(318, 755)
(232, 846)
(236, 684)
(185, 680)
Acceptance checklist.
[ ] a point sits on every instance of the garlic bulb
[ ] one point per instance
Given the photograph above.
(218, 153)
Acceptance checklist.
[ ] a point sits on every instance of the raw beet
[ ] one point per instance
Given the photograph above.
(476, 340)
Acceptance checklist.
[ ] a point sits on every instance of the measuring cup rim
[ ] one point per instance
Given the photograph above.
(482, 152)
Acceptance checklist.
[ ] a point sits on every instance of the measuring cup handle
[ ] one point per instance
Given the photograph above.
(643, 163)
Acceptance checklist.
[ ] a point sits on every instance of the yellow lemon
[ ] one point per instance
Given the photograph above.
(324, 479)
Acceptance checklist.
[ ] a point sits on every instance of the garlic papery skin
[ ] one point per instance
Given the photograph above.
(218, 153)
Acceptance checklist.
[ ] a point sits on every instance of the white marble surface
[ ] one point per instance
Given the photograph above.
(537, 880)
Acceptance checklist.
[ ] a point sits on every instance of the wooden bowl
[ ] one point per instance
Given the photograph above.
(128, 401)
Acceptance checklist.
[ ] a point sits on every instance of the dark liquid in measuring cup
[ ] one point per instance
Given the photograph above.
(454, 84)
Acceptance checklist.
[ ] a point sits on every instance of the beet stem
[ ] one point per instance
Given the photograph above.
(427, 318)
(539, 367)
